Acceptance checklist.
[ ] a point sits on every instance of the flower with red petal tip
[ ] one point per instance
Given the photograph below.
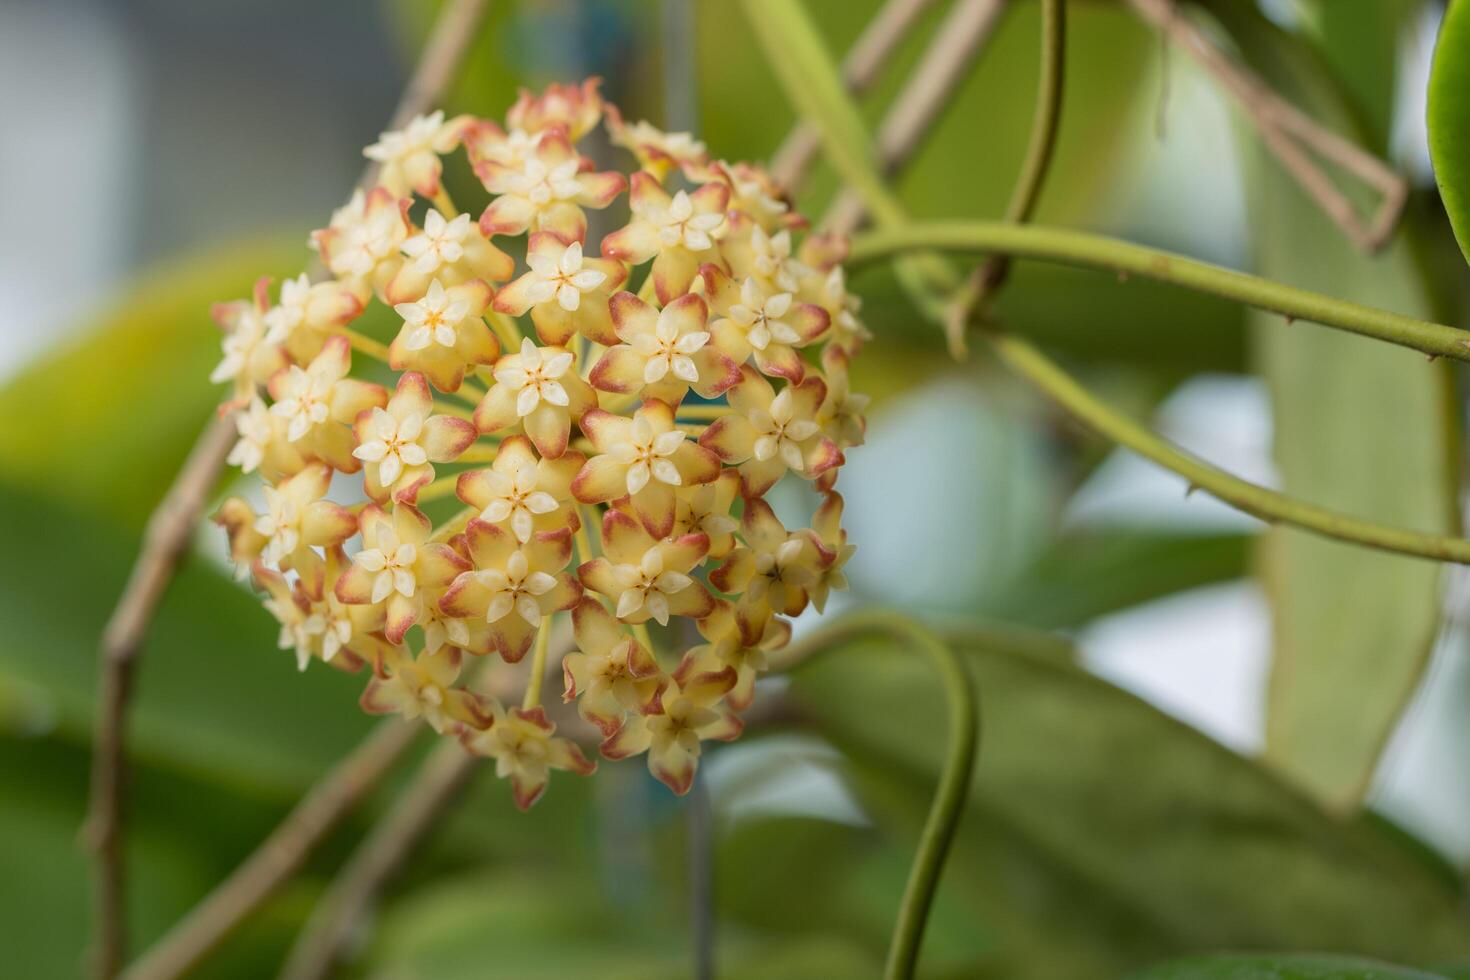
(485, 142)
(692, 712)
(773, 569)
(322, 628)
(525, 749)
(565, 291)
(742, 644)
(647, 578)
(751, 253)
(754, 192)
(538, 388)
(442, 334)
(521, 492)
(319, 402)
(308, 314)
(705, 509)
(399, 443)
(297, 519)
(573, 108)
(663, 353)
(831, 541)
(513, 586)
(752, 320)
(397, 566)
(409, 157)
(769, 433)
(423, 687)
(658, 152)
(250, 358)
(611, 674)
(452, 252)
(263, 444)
(360, 245)
(678, 232)
(547, 191)
(644, 458)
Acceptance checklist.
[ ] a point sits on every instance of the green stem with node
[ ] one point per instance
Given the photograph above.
(1087, 250)
(954, 776)
(538, 664)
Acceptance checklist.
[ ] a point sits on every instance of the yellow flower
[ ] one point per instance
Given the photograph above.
(409, 157)
(539, 389)
(423, 687)
(307, 315)
(741, 644)
(318, 403)
(611, 673)
(451, 251)
(769, 433)
(663, 353)
(360, 245)
(400, 443)
(575, 109)
(705, 509)
(512, 586)
(752, 320)
(658, 152)
(297, 520)
(397, 566)
(263, 444)
(321, 628)
(831, 541)
(774, 569)
(565, 291)
(250, 358)
(647, 578)
(644, 458)
(442, 334)
(525, 749)
(521, 492)
(546, 191)
(678, 232)
(691, 712)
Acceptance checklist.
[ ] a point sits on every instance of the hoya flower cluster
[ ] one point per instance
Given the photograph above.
(610, 419)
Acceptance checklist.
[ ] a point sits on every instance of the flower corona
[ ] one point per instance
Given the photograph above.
(610, 447)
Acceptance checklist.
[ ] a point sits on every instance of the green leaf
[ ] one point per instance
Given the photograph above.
(1300, 966)
(1449, 118)
(1361, 427)
(1103, 836)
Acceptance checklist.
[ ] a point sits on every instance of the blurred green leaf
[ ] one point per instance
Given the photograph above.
(1360, 41)
(1298, 966)
(1361, 427)
(214, 695)
(1449, 118)
(103, 422)
(1103, 835)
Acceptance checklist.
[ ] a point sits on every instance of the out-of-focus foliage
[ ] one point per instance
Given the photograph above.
(1102, 837)
(1297, 967)
(1449, 119)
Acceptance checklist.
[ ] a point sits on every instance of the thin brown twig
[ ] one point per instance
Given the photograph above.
(957, 43)
(1282, 125)
(164, 545)
(351, 895)
(279, 856)
(860, 70)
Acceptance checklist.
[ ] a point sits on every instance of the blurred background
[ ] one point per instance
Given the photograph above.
(160, 155)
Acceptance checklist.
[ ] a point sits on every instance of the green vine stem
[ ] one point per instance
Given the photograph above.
(954, 777)
(971, 298)
(1268, 505)
(1100, 252)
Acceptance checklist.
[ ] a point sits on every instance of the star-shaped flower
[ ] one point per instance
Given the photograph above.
(400, 443)
(658, 152)
(644, 458)
(360, 245)
(575, 109)
(451, 251)
(250, 358)
(397, 566)
(442, 334)
(751, 320)
(663, 353)
(742, 644)
(523, 492)
(424, 687)
(769, 433)
(645, 577)
(308, 314)
(298, 519)
(547, 192)
(677, 232)
(409, 157)
(318, 403)
(611, 674)
(775, 568)
(523, 743)
(538, 388)
(565, 291)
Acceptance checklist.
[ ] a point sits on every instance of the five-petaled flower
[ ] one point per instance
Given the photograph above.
(663, 353)
(400, 443)
(521, 491)
(610, 674)
(677, 231)
(539, 389)
(769, 433)
(566, 291)
(318, 403)
(408, 158)
(442, 334)
(424, 687)
(523, 743)
(397, 567)
(546, 191)
(645, 577)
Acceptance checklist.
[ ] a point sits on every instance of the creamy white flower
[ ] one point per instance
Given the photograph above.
(679, 145)
(679, 225)
(393, 444)
(562, 278)
(392, 565)
(440, 243)
(668, 352)
(773, 259)
(760, 316)
(280, 524)
(515, 497)
(515, 588)
(534, 377)
(367, 239)
(282, 319)
(540, 184)
(647, 584)
(780, 432)
(256, 431)
(420, 135)
(434, 318)
(246, 336)
(305, 400)
(647, 453)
